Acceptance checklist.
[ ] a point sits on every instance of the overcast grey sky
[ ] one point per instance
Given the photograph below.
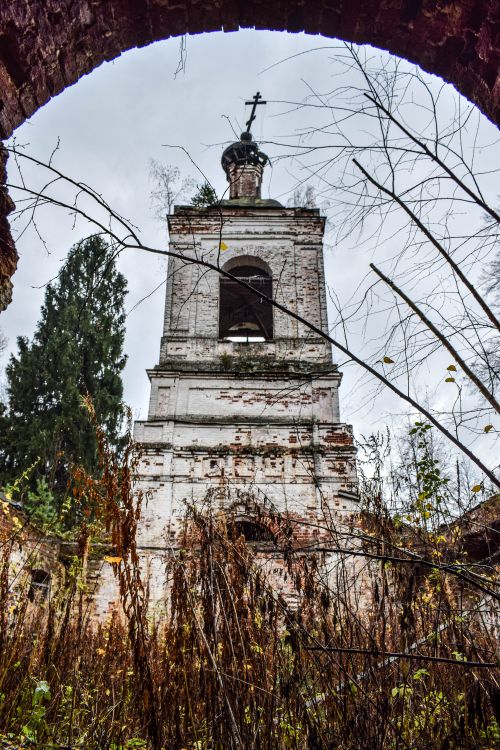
(114, 120)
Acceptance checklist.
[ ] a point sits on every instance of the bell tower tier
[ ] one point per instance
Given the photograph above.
(279, 252)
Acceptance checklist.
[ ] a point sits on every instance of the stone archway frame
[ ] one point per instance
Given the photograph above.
(47, 45)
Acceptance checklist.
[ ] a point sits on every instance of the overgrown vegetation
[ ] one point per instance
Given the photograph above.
(395, 648)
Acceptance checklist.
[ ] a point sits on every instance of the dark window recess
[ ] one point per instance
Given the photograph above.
(244, 315)
(39, 584)
(251, 531)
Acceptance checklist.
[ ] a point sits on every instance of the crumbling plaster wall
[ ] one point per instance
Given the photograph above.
(46, 45)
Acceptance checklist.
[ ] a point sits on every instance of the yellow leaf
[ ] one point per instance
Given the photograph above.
(449, 380)
(488, 428)
(223, 246)
(452, 368)
(388, 361)
(111, 559)
(477, 488)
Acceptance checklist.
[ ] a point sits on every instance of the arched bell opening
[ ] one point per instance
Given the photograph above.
(246, 317)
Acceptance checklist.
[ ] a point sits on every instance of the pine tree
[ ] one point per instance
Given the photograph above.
(77, 350)
(205, 196)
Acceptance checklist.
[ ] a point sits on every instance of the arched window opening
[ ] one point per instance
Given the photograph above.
(250, 531)
(243, 315)
(39, 584)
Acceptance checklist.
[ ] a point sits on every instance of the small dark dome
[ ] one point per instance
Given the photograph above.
(244, 151)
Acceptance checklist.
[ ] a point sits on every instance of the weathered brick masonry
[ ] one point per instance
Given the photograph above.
(46, 45)
(33, 559)
(244, 401)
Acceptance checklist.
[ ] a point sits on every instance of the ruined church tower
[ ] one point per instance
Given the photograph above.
(244, 397)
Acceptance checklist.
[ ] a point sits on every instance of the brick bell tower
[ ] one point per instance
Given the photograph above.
(244, 398)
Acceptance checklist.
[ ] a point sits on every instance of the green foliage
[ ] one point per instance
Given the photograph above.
(40, 505)
(76, 351)
(36, 718)
(226, 361)
(492, 732)
(431, 483)
(205, 196)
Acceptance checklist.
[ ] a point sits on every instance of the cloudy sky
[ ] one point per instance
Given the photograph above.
(180, 106)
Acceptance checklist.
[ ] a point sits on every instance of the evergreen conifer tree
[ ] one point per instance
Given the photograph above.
(77, 350)
(204, 196)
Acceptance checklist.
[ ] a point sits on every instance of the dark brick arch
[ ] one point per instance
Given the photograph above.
(46, 45)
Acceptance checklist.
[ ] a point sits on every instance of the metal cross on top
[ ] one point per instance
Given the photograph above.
(255, 102)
